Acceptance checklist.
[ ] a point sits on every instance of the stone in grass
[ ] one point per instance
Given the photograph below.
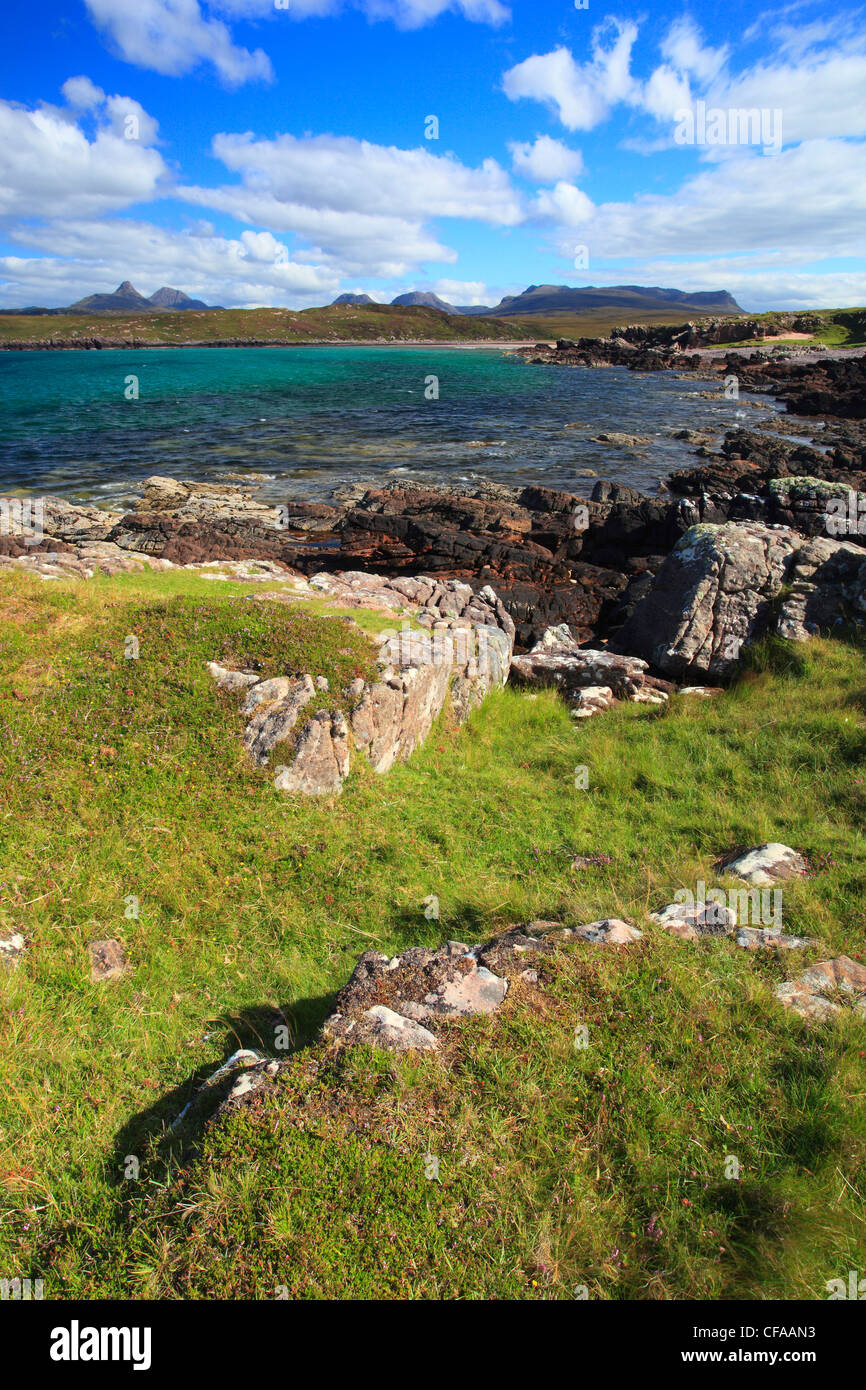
(593, 699)
(11, 950)
(703, 692)
(766, 865)
(231, 680)
(273, 723)
(610, 931)
(381, 1027)
(756, 938)
(692, 921)
(478, 992)
(828, 988)
(107, 960)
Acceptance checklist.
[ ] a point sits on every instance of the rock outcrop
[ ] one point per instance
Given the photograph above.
(589, 680)
(398, 1004)
(718, 588)
(454, 643)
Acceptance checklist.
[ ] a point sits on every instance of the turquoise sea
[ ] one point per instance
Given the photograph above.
(300, 421)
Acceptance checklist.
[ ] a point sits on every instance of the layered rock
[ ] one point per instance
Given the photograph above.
(590, 680)
(461, 647)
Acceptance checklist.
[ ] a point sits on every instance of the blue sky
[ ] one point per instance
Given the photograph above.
(254, 153)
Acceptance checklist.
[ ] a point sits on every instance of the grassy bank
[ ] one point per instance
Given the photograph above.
(337, 323)
(560, 1168)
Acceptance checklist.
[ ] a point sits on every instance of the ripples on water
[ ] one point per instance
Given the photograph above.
(309, 419)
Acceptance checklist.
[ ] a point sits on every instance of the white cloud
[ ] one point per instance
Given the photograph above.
(49, 166)
(546, 160)
(174, 36)
(809, 201)
(581, 94)
(684, 48)
(349, 175)
(462, 291)
(564, 204)
(89, 256)
(406, 14)
(363, 206)
(819, 85)
(82, 94)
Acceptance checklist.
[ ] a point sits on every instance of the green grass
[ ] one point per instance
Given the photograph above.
(336, 323)
(559, 1167)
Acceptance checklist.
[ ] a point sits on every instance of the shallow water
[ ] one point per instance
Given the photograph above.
(309, 419)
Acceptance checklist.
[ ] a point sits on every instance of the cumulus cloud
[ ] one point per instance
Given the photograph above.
(362, 205)
(545, 160)
(50, 167)
(87, 256)
(174, 36)
(820, 85)
(746, 203)
(582, 94)
(565, 204)
(406, 14)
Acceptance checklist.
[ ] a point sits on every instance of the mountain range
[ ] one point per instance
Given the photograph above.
(126, 297)
(553, 299)
(626, 300)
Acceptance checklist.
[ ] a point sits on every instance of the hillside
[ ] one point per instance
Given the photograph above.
(336, 323)
(559, 1168)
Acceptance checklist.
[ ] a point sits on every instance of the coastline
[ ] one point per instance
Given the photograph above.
(99, 345)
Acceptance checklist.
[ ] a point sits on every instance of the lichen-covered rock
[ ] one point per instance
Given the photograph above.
(395, 715)
(610, 931)
(593, 699)
(718, 588)
(380, 1027)
(826, 584)
(712, 595)
(571, 671)
(107, 960)
(767, 864)
(11, 949)
(693, 920)
(274, 723)
(828, 988)
(321, 761)
(232, 680)
(766, 938)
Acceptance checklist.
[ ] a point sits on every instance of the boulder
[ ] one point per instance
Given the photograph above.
(766, 865)
(594, 699)
(831, 987)
(718, 591)
(610, 931)
(380, 1027)
(758, 938)
(692, 921)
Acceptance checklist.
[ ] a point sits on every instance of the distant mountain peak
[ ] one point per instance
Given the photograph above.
(426, 299)
(126, 297)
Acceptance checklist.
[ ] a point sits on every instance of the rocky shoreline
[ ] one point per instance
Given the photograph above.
(552, 557)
